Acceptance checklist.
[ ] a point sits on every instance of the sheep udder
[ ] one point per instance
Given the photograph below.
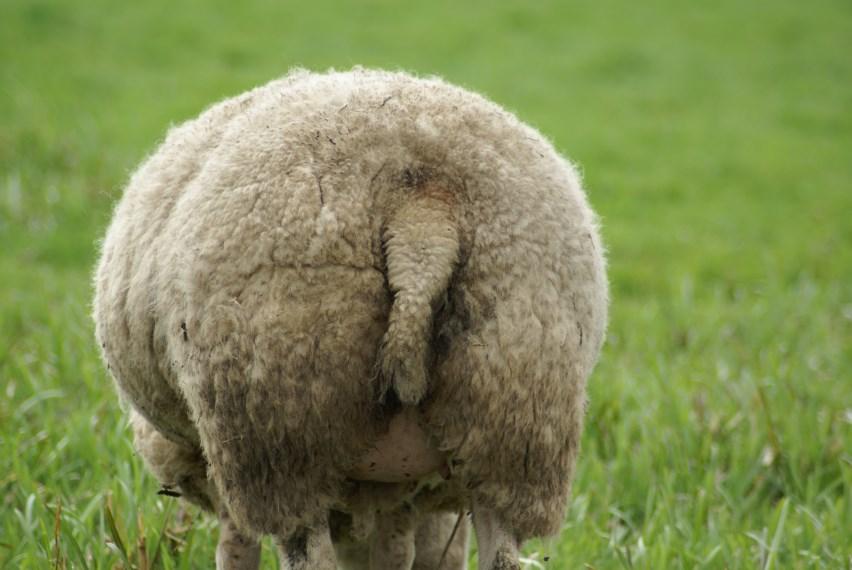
(403, 453)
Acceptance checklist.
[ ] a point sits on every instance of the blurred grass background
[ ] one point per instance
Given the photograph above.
(715, 141)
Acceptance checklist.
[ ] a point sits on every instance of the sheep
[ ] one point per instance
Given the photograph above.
(344, 306)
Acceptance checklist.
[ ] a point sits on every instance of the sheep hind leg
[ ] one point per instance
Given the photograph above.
(392, 545)
(436, 545)
(235, 550)
(308, 549)
(498, 547)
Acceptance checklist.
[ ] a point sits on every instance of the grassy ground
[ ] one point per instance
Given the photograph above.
(716, 143)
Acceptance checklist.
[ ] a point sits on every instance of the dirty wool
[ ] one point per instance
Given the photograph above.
(300, 264)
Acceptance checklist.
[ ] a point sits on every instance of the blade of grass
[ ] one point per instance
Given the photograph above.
(142, 552)
(779, 532)
(114, 532)
(81, 556)
(158, 547)
(58, 563)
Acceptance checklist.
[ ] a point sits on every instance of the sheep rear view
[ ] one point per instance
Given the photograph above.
(303, 265)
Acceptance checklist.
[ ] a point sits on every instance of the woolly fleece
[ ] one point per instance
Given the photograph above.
(291, 263)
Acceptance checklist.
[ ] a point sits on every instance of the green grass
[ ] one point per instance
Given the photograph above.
(715, 141)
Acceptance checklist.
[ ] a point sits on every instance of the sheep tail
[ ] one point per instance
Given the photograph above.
(421, 244)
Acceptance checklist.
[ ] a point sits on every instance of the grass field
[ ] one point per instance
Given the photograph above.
(715, 141)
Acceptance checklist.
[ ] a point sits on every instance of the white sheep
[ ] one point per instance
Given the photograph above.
(345, 306)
